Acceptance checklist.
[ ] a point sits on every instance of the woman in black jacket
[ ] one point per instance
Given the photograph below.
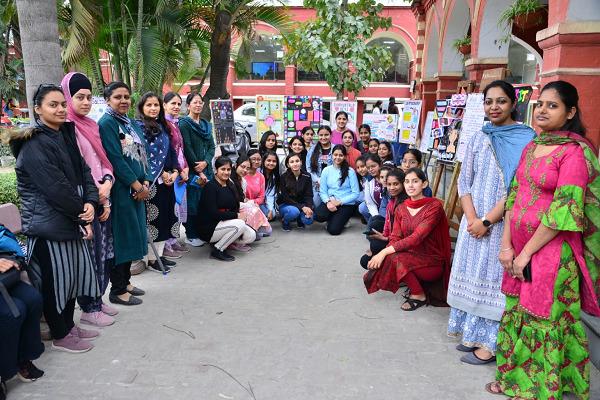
(58, 199)
(296, 195)
(220, 222)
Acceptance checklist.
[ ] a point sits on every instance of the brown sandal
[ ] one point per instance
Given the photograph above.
(494, 388)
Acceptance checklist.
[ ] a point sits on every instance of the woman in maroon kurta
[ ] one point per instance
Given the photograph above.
(418, 252)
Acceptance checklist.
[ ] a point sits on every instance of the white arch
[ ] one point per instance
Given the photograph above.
(538, 57)
(397, 37)
(456, 28)
(490, 34)
(432, 46)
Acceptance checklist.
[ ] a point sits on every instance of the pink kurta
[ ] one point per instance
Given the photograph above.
(92, 160)
(540, 183)
(255, 187)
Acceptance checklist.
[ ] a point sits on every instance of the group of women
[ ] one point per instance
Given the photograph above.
(95, 194)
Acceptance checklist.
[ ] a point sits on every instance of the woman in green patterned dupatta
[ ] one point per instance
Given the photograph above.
(552, 227)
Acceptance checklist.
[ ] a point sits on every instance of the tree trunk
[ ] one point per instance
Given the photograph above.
(139, 82)
(114, 40)
(220, 44)
(38, 26)
(125, 41)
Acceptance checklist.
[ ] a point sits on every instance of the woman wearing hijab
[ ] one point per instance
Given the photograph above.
(488, 168)
(77, 89)
(127, 151)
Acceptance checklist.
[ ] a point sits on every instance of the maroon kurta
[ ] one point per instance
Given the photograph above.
(420, 241)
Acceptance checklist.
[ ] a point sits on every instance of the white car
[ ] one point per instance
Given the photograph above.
(245, 115)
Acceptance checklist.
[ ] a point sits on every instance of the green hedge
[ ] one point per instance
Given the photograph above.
(8, 189)
(5, 150)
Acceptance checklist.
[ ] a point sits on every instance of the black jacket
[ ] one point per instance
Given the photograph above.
(217, 203)
(49, 169)
(296, 191)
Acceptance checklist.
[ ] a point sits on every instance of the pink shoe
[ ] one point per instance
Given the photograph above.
(97, 318)
(108, 310)
(239, 247)
(180, 247)
(84, 333)
(72, 344)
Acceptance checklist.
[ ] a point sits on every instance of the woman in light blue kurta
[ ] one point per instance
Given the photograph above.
(489, 163)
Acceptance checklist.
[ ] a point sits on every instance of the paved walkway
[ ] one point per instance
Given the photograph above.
(289, 321)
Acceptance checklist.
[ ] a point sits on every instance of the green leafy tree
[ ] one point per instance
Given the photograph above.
(335, 44)
(11, 66)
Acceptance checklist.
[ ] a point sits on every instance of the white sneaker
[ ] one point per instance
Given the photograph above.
(195, 242)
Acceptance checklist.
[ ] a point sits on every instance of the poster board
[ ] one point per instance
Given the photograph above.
(300, 112)
(351, 107)
(523, 94)
(409, 128)
(98, 108)
(221, 112)
(383, 126)
(446, 127)
(426, 138)
(472, 122)
(269, 115)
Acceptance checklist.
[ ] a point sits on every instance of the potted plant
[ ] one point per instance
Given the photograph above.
(524, 14)
(463, 46)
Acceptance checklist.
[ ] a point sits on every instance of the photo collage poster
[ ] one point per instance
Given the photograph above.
(446, 127)
(351, 108)
(383, 126)
(300, 112)
(269, 115)
(222, 119)
(409, 126)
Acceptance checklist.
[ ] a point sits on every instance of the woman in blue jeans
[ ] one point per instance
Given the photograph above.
(296, 195)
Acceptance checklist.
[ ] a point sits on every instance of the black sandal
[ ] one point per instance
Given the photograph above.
(414, 304)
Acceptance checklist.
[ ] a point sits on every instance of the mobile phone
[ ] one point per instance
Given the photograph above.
(527, 272)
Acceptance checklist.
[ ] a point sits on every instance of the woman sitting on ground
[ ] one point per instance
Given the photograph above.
(418, 251)
(308, 136)
(296, 197)
(319, 157)
(373, 147)
(364, 133)
(220, 223)
(372, 189)
(413, 158)
(353, 154)
(268, 142)
(270, 170)
(296, 145)
(385, 152)
(338, 191)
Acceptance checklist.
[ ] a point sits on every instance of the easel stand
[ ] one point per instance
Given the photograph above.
(452, 206)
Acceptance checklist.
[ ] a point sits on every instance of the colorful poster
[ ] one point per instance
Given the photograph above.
(300, 112)
(409, 126)
(426, 138)
(350, 107)
(523, 94)
(269, 115)
(98, 108)
(222, 119)
(446, 126)
(383, 126)
(472, 122)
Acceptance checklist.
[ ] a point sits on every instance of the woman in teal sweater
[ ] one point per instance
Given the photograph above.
(338, 191)
(126, 150)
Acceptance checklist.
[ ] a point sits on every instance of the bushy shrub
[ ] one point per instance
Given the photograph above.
(8, 189)
(5, 150)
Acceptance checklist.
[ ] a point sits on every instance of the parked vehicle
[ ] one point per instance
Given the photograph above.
(245, 115)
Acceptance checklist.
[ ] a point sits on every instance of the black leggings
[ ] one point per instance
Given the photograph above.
(335, 220)
(120, 274)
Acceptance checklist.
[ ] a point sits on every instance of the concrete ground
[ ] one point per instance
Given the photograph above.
(289, 320)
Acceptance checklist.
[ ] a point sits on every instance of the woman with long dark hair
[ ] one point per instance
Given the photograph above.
(364, 133)
(268, 142)
(385, 152)
(164, 170)
(199, 150)
(296, 145)
(338, 192)
(270, 170)
(550, 256)
(341, 122)
(127, 150)
(58, 202)
(319, 157)
(308, 135)
(353, 154)
(296, 197)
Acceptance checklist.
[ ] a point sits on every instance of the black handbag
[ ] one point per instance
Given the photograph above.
(10, 279)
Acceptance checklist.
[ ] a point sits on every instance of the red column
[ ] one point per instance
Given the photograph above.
(447, 85)
(428, 92)
(230, 78)
(571, 54)
(475, 70)
(290, 79)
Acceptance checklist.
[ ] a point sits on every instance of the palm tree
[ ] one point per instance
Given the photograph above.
(10, 66)
(38, 28)
(224, 18)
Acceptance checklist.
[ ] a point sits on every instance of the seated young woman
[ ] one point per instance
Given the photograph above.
(296, 196)
(379, 237)
(296, 145)
(386, 153)
(377, 221)
(418, 252)
(338, 192)
(221, 223)
(362, 174)
(268, 142)
(372, 189)
(255, 218)
(373, 146)
(353, 154)
(270, 170)
(413, 158)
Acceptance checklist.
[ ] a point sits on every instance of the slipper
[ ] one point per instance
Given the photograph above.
(465, 349)
(489, 388)
(471, 358)
(414, 304)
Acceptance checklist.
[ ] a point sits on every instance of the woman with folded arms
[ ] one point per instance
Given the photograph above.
(296, 197)
(338, 192)
(221, 223)
(127, 151)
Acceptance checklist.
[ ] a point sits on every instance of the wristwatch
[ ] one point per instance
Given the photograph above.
(486, 222)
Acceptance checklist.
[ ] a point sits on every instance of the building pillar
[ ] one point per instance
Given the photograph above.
(476, 67)
(428, 92)
(571, 54)
(290, 79)
(447, 84)
(416, 69)
(230, 78)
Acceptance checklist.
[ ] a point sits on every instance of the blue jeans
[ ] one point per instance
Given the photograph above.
(291, 213)
(364, 211)
(265, 210)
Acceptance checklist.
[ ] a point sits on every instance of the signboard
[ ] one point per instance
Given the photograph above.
(490, 75)
(409, 127)
(383, 126)
(222, 118)
(472, 122)
(98, 108)
(269, 115)
(300, 112)
(523, 94)
(351, 109)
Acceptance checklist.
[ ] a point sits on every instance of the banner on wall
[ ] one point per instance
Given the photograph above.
(300, 112)
(350, 107)
(409, 126)
(383, 126)
(471, 123)
(269, 115)
(221, 112)
(523, 94)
